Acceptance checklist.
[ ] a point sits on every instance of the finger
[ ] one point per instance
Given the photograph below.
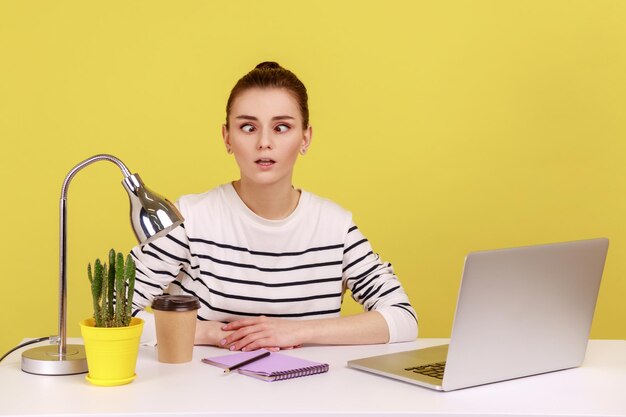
(239, 334)
(255, 341)
(235, 341)
(231, 338)
(262, 343)
(237, 324)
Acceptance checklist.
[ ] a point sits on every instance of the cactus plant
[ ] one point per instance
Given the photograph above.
(112, 289)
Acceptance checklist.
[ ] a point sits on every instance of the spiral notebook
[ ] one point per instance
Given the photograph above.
(275, 367)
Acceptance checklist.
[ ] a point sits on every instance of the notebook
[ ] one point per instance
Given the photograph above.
(520, 312)
(275, 367)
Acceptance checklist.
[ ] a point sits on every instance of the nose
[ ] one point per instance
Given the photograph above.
(265, 140)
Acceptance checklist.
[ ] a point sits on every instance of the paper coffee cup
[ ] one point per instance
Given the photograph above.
(175, 317)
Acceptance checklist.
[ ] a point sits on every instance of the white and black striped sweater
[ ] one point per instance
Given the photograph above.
(239, 264)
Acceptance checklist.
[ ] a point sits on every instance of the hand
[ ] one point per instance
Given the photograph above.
(210, 333)
(263, 332)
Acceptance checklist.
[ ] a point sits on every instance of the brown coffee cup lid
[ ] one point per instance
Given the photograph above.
(175, 303)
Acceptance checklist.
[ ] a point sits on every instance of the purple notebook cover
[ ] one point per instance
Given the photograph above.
(277, 364)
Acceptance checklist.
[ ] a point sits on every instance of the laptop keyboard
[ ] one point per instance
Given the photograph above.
(434, 370)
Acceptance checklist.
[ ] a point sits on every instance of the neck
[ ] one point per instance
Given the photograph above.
(272, 201)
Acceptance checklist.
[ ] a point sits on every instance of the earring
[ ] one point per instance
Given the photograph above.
(303, 151)
(229, 150)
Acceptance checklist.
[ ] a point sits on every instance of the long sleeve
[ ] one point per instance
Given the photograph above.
(374, 284)
(158, 264)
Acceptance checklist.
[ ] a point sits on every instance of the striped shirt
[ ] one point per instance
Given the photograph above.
(239, 264)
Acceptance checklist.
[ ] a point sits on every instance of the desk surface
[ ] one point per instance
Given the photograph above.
(596, 388)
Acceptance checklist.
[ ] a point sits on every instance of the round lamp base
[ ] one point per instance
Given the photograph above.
(45, 360)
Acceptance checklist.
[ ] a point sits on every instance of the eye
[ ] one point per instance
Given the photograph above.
(248, 128)
(282, 128)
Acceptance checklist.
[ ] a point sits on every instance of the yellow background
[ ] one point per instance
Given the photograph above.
(445, 127)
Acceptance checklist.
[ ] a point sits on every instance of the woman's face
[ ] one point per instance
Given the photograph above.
(265, 133)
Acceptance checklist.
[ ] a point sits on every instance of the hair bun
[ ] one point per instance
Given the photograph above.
(268, 65)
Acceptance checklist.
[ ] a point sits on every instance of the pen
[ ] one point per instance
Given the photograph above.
(247, 361)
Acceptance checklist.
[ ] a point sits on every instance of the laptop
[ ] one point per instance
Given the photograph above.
(520, 312)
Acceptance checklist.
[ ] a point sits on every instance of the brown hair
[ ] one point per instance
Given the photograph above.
(271, 75)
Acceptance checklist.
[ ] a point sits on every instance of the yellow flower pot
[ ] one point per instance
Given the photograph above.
(111, 352)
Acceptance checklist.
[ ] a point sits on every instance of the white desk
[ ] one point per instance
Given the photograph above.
(597, 388)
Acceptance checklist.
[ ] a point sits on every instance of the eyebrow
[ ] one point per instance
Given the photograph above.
(281, 117)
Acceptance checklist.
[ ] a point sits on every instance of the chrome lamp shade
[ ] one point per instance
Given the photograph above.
(151, 216)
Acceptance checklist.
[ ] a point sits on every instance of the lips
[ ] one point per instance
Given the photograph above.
(265, 162)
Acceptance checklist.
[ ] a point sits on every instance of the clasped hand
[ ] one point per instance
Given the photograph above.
(262, 332)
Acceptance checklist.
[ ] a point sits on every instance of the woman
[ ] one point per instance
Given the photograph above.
(269, 262)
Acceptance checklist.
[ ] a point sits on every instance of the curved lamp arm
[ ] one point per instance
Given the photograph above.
(89, 161)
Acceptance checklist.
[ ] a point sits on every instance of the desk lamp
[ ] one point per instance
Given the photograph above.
(151, 216)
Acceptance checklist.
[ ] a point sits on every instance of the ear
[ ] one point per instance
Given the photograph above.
(226, 138)
(307, 137)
